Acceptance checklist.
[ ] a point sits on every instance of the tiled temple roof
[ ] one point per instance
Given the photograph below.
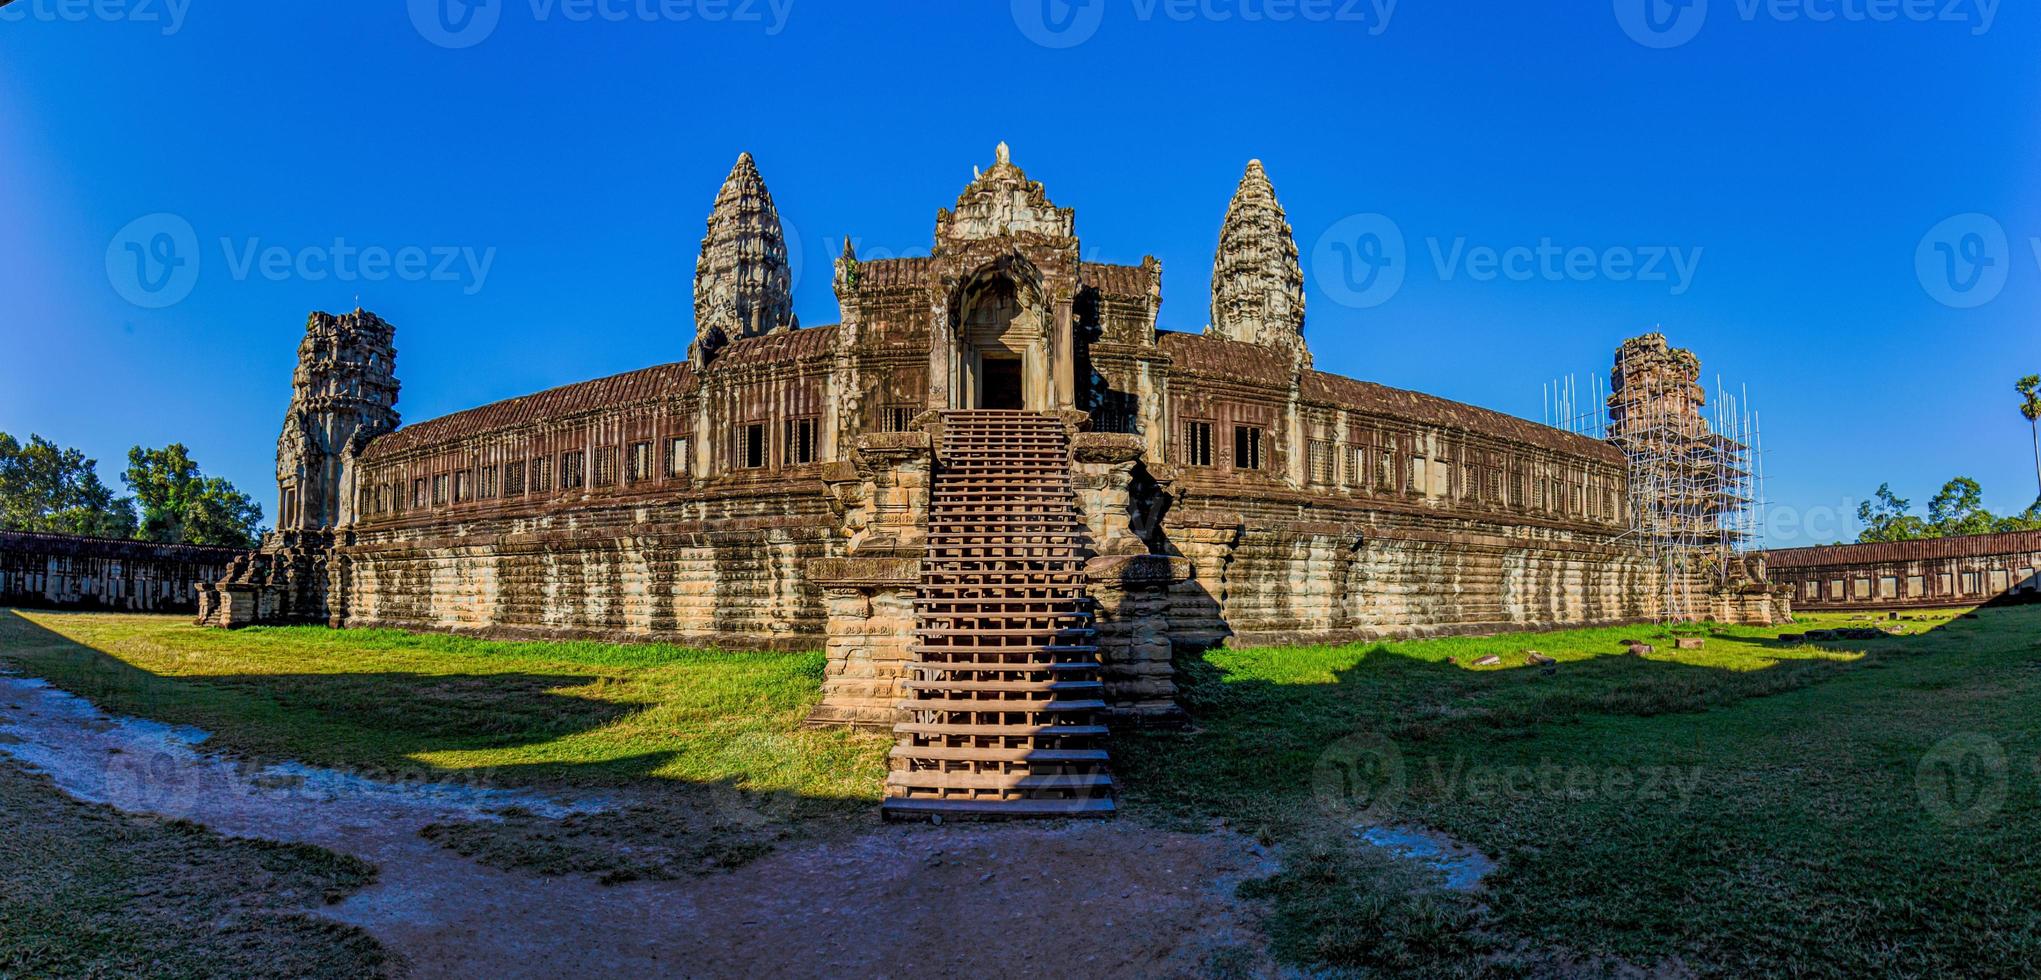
(124, 549)
(1260, 365)
(630, 386)
(1431, 410)
(1115, 280)
(1895, 552)
(791, 345)
(1214, 355)
(893, 273)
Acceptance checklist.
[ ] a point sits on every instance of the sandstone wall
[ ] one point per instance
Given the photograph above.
(1268, 579)
(726, 572)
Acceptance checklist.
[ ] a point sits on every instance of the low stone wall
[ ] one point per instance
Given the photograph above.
(1332, 575)
(1936, 572)
(68, 572)
(725, 573)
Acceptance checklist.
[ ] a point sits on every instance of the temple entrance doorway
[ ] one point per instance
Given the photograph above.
(999, 383)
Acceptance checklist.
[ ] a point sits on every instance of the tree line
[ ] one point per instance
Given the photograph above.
(1959, 507)
(48, 488)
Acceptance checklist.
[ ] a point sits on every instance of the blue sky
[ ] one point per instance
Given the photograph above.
(1797, 158)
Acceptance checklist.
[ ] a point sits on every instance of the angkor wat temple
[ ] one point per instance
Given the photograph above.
(996, 491)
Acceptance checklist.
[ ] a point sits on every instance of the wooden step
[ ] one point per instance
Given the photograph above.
(1078, 783)
(976, 753)
(1054, 687)
(970, 704)
(1004, 731)
(914, 808)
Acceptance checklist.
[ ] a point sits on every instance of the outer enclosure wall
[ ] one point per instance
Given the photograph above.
(1938, 572)
(67, 572)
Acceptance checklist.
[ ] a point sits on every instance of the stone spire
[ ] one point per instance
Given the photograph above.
(1257, 283)
(343, 394)
(743, 285)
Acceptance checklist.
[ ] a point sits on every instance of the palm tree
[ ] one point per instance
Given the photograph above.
(2029, 388)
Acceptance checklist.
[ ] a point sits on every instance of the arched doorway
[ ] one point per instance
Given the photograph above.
(1002, 344)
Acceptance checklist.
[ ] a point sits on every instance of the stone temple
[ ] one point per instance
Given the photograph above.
(996, 491)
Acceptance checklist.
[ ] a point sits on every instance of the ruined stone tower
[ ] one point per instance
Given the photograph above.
(1257, 283)
(743, 284)
(343, 393)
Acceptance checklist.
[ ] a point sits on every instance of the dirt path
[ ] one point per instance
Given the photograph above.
(1093, 899)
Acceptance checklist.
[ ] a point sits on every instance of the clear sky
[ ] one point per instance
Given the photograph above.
(1790, 164)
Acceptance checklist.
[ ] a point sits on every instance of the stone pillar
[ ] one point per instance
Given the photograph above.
(1102, 468)
(883, 492)
(1131, 603)
(870, 605)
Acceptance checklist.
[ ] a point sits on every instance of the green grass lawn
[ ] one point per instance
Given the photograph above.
(86, 891)
(411, 703)
(1747, 807)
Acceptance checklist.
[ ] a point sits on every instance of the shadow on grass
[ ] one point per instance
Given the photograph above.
(1262, 719)
(412, 728)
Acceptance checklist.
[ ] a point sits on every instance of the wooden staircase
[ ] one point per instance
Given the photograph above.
(1004, 711)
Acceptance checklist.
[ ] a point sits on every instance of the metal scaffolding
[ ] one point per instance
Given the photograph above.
(1696, 465)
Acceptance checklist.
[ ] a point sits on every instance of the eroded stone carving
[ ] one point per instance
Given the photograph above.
(1257, 283)
(743, 285)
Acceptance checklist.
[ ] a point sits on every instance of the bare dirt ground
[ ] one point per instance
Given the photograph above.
(1093, 899)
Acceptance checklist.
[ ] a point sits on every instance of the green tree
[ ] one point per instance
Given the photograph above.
(1959, 509)
(2029, 388)
(180, 505)
(44, 487)
(1886, 518)
(2029, 521)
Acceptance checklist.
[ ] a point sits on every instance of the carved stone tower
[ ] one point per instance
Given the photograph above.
(1257, 283)
(743, 284)
(343, 393)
